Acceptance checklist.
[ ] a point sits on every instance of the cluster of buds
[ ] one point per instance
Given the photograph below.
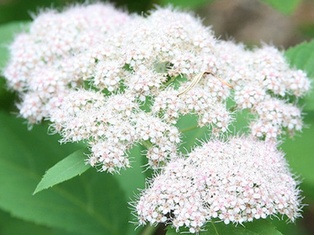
(115, 80)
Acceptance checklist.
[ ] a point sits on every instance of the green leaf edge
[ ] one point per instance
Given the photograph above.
(8, 32)
(257, 227)
(60, 171)
(286, 7)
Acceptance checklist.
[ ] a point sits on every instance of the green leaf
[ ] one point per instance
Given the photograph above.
(302, 57)
(299, 151)
(186, 3)
(7, 32)
(192, 135)
(131, 180)
(71, 166)
(12, 226)
(258, 227)
(283, 6)
(262, 227)
(91, 204)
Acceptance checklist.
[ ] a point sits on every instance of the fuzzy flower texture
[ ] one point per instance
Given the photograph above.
(115, 80)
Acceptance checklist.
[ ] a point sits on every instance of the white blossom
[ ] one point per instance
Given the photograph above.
(235, 181)
(115, 80)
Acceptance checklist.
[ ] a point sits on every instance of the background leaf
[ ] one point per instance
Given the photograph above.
(191, 133)
(69, 167)
(90, 204)
(258, 227)
(283, 6)
(7, 32)
(299, 151)
(302, 57)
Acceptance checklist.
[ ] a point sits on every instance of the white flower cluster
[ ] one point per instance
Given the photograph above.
(262, 80)
(115, 80)
(235, 181)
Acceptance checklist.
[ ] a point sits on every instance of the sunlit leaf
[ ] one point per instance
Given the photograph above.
(69, 167)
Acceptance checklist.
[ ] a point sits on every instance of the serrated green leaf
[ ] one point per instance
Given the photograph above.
(283, 6)
(185, 3)
(258, 227)
(302, 57)
(69, 167)
(92, 204)
(7, 32)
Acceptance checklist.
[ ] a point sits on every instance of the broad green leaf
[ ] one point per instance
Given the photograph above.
(185, 3)
(13, 226)
(91, 204)
(132, 180)
(283, 6)
(69, 167)
(262, 227)
(299, 151)
(302, 57)
(258, 227)
(192, 135)
(8, 32)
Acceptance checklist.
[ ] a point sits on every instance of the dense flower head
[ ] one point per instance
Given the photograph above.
(234, 181)
(93, 75)
(115, 80)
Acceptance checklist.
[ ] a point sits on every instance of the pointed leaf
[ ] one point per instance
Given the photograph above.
(69, 167)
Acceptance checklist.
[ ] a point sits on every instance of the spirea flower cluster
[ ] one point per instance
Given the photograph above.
(116, 80)
(235, 181)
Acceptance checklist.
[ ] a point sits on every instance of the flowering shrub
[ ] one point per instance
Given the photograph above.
(114, 81)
